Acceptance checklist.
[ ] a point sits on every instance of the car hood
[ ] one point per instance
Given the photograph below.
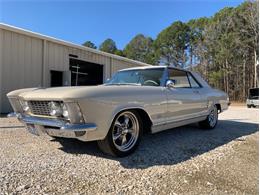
(78, 92)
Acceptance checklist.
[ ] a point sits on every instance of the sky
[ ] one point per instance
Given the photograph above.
(77, 21)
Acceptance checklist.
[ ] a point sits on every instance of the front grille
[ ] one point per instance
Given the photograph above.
(40, 107)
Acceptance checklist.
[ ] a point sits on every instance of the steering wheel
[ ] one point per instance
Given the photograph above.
(151, 83)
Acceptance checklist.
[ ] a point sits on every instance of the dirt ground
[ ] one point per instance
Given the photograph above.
(243, 104)
(185, 160)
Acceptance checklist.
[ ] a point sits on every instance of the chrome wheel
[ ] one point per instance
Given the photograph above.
(213, 117)
(125, 131)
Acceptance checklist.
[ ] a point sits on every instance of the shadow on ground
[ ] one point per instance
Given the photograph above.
(171, 146)
(3, 115)
(11, 127)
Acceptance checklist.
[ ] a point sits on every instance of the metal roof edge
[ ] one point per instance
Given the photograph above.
(66, 43)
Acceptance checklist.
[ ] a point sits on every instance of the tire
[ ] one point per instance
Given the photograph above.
(124, 134)
(249, 106)
(212, 119)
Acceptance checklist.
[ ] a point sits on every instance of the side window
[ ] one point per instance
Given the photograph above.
(193, 82)
(180, 78)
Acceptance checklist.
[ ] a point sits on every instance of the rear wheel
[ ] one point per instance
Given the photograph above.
(211, 120)
(249, 106)
(124, 134)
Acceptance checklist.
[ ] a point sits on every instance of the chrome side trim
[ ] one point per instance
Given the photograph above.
(63, 125)
(79, 127)
(179, 123)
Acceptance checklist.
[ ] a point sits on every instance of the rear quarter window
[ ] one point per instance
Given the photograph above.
(180, 78)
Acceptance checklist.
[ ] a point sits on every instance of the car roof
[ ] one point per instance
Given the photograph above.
(150, 67)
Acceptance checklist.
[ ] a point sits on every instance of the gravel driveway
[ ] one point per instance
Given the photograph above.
(184, 160)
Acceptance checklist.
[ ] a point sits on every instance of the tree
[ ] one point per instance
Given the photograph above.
(140, 48)
(89, 44)
(230, 49)
(195, 40)
(248, 11)
(120, 53)
(108, 46)
(171, 45)
(221, 43)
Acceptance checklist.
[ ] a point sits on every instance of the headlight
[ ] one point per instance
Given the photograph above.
(55, 109)
(59, 109)
(69, 111)
(25, 106)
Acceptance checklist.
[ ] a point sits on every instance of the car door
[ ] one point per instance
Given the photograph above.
(183, 101)
(198, 89)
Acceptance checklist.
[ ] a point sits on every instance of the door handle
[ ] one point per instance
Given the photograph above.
(196, 91)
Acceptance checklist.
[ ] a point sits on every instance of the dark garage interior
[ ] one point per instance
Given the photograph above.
(56, 78)
(85, 73)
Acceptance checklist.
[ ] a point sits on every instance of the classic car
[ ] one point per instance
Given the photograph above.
(253, 98)
(117, 113)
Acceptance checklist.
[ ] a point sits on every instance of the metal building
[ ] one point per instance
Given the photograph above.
(29, 59)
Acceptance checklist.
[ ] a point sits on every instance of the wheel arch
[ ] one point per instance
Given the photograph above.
(146, 119)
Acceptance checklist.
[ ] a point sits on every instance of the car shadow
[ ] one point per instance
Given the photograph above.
(169, 147)
(11, 127)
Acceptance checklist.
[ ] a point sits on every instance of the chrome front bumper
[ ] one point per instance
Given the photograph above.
(53, 127)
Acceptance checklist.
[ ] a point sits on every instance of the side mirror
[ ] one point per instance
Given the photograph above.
(170, 83)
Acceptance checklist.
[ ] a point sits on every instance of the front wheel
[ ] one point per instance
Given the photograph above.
(211, 120)
(124, 134)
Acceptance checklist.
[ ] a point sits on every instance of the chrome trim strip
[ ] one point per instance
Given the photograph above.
(179, 123)
(79, 127)
(53, 123)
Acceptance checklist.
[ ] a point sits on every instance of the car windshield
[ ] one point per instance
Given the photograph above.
(147, 77)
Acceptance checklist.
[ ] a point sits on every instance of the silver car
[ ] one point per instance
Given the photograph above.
(117, 113)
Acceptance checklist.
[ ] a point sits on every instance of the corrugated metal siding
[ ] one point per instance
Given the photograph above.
(57, 57)
(21, 64)
(118, 65)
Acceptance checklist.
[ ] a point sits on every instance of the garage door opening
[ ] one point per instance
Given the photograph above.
(85, 73)
(56, 78)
